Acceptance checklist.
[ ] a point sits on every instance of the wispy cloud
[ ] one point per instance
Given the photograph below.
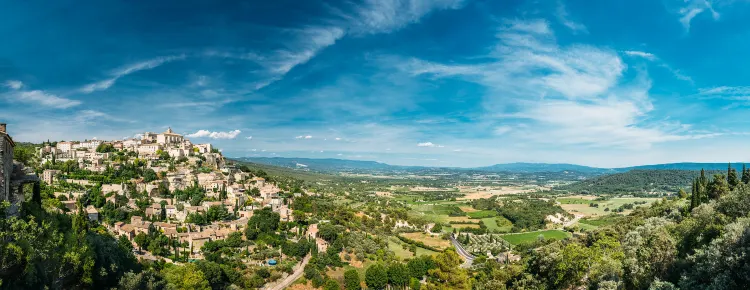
(14, 84)
(646, 55)
(85, 116)
(429, 144)
(303, 137)
(41, 98)
(653, 58)
(215, 135)
(572, 95)
(129, 69)
(249, 137)
(564, 18)
(370, 17)
(694, 8)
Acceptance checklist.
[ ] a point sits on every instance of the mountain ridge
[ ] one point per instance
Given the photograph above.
(335, 164)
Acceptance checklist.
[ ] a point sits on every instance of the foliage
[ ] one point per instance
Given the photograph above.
(376, 277)
(351, 280)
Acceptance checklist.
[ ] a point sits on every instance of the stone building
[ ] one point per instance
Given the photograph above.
(12, 175)
(169, 137)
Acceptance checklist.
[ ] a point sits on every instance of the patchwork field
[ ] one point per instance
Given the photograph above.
(498, 224)
(581, 204)
(428, 240)
(516, 239)
(396, 245)
(482, 214)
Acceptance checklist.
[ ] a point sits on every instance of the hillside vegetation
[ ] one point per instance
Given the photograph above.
(635, 182)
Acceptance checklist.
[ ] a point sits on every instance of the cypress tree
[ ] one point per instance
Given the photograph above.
(701, 188)
(745, 174)
(732, 178)
(694, 195)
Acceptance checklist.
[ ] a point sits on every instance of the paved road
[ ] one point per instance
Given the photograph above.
(469, 259)
(291, 278)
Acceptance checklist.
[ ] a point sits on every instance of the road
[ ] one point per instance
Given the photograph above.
(469, 259)
(291, 278)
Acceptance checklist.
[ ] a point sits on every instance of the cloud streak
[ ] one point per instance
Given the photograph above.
(129, 69)
(215, 135)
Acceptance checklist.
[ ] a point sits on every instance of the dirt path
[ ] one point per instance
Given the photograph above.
(294, 276)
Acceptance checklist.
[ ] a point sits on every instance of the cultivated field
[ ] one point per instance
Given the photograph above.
(580, 204)
(516, 239)
(428, 240)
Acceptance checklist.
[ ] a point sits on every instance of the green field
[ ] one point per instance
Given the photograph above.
(516, 239)
(580, 205)
(602, 221)
(498, 224)
(395, 245)
(482, 214)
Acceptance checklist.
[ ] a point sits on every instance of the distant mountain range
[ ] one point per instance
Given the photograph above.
(344, 165)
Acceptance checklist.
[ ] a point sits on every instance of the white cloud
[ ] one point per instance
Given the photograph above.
(215, 135)
(428, 144)
(337, 139)
(646, 55)
(129, 69)
(564, 18)
(303, 137)
(14, 84)
(457, 150)
(693, 8)
(249, 137)
(572, 94)
(43, 98)
(502, 130)
(371, 17)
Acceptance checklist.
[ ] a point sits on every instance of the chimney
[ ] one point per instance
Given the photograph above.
(3, 127)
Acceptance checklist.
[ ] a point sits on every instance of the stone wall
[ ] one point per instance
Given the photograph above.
(6, 166)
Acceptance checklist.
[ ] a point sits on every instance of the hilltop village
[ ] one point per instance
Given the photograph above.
(187, 192)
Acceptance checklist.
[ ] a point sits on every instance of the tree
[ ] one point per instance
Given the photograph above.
(717, 187)
(448, 274)
(351, 280)
(331, 285)
(263, 221)
(745, 174)
(149, 175)
(398, 275)
(732, 179)
(185, 277)
(437, 228)
(681, 193)
(376, 277)
(141, 239)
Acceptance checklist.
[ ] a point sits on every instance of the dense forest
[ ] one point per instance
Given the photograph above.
(635, 182)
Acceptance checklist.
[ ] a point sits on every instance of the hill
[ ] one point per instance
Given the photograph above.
(542, 167)
(636, 181)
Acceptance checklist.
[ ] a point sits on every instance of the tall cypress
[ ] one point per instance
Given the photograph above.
(693, 195)
(701, 188)
(732, 178)
(745, 174)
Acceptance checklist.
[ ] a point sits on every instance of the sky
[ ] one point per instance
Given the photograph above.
(408, 82)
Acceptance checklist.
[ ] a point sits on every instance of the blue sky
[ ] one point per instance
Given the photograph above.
(443, 83)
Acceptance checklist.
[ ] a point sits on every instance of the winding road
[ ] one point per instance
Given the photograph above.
(294, 276)
(469, 259)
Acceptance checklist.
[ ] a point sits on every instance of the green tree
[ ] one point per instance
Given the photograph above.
(141, 239)
(376, 277)
(398, 275)
(149, 175)
(745, 174)
(331, 285)
(732, 179)
(448, 274)
(718, 187)
(681, 193)
(262, 221)
(185, 277)
(437, 228)
(351, 280)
